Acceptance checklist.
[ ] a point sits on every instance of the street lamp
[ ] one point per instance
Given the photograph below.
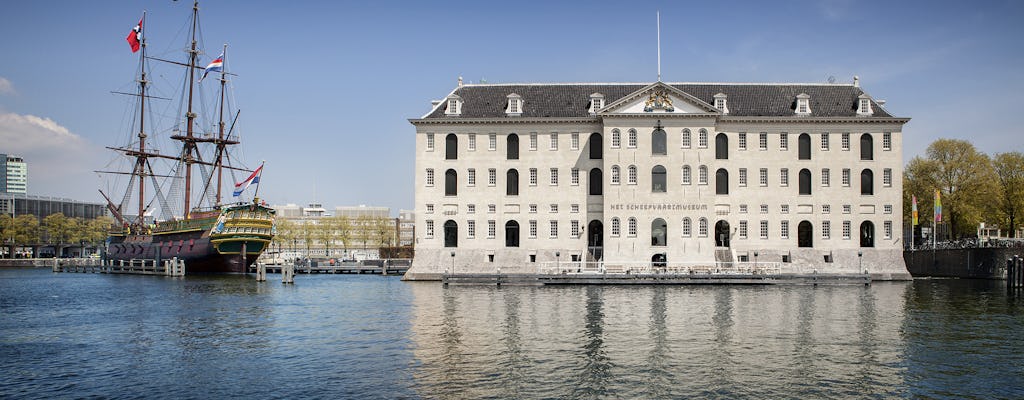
(558, 264)
(453, 263)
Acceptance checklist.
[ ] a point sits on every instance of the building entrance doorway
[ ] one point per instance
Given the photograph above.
(595, 240)
(722, 234)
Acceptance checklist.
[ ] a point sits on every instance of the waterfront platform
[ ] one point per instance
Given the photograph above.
(655, 279)
(380, 267)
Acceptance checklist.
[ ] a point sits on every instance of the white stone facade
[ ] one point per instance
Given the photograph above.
(567, 220)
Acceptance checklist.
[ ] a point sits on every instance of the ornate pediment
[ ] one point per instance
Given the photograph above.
(659, 98)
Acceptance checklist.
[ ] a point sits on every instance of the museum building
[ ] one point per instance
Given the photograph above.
(616, 177)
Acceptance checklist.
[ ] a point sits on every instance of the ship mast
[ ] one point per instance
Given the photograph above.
(189, 145)
(220, 128)
(141, 158)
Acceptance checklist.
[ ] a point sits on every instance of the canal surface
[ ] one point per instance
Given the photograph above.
(358, 336)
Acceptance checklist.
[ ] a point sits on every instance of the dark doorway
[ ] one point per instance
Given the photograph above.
(867, 147)
(721, 147)
(722, 181)
(451, 147)
(804, 146)
(722, 233)
(867, 234)
(595, 239)
(511, 234)
(451, 234)
(595, 146)
(512, 147)
(451, 183)
(595, 183)
(659, 260)
(805, 234)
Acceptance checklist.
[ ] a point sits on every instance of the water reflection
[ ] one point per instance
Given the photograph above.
(658, 341)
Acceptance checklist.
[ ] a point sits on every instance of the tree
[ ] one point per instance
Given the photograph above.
(344, 229)
(325, 232)
(1009, 171)
(364, 229)
(7, 233)
(286, 233)
(383, 228)
(963, 176)
(26, 229)
(58, 230)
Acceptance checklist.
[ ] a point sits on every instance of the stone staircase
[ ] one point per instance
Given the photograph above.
(724, 257)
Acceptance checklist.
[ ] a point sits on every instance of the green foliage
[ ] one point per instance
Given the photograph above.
(963, 175)
(1009, 207)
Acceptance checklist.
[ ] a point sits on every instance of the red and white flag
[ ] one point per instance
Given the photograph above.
(135, 37)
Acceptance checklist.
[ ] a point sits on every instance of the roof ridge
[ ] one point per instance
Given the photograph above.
(649, 83)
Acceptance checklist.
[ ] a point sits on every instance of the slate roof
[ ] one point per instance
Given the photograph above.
(571, 100)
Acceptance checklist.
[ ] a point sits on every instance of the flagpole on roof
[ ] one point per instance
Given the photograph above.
(659, 45)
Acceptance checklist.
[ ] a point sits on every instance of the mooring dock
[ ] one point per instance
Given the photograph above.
(376, 267)
(654, 279)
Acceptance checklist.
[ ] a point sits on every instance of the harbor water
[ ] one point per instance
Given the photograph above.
(359, 336)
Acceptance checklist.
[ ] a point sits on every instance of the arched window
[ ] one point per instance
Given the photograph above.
(632, 138)
(512, 147)
(686, 174)
(451, 147)
(805, 181)
(805, 234)
(687, 227)
(721, 147)
(867, 234)
(615, 174)
(595, 181)
(616, 229)
(659, 232)
(702, 139)
(512, 182)
(658, 146)
(511, 234)
(703, 227)
(702, 175)
(804, 146)
(595, 146)
(658, 179)
(867, 147)
(867, 182)
(451, 234)
(686, 139)
(721, 181)
(451, 183)
(632, 226)
(616, 138)
(632, 175)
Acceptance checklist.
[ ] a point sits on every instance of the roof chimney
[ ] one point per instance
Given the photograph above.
(460, 81)
(856, 81)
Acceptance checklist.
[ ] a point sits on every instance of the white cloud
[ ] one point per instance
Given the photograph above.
(60, 163)
(6, 87)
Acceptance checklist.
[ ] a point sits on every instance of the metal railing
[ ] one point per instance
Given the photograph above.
(648, 267)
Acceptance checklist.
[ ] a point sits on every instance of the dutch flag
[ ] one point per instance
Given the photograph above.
(253, 178)
(217, 65)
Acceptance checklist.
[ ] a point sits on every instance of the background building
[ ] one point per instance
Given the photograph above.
(13, 174)
(349, 233)
(524, 177)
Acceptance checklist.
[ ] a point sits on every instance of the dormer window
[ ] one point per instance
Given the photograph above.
(803, 104)
(864, 105)
(596, 102)
(721, 104)
(514, 108)
(454, 105)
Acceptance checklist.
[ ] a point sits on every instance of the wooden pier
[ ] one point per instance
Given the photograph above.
(1015, 274)
(172, 267)
(380, 267)
(813, 279)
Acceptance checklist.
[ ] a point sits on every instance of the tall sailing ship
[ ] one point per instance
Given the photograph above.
(209, 234)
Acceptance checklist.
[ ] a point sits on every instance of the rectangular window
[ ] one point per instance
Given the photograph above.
(846, 177)
(616, 139)
(574, 141)
(554, 140)
(554, 208)
(887, 229)
(491, 208)
(471, 209)
(764, 176)
(471, 177)
(846, 141)
(685, 140)
(743, 229)
(574, 176)
(887, 141)
(887, 209)
(430, 142)
(575, 208)
(533, 177)
(492, 141)
(826, 208)
(554, 229)
(430, 208)
(764, 209)
(743, 177)
(492, 177)
(847, 209)
(554, 177)
(632, 139)
(783, 141)
(743, 208)
(784, 208)
(764, 229)
(784, 229)
(491, 229)
(470, 229)
(825, 177)
(826, 229)
(824, 141)
(533, 140)
(762, 141)
(784, 177)
(575, 226)
(430, 177)
(533, 229)
(887, 177)
(472, 142)
(430, 229)
(846, 230)
(743, 141)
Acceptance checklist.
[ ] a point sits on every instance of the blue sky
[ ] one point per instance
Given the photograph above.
(326, 88)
